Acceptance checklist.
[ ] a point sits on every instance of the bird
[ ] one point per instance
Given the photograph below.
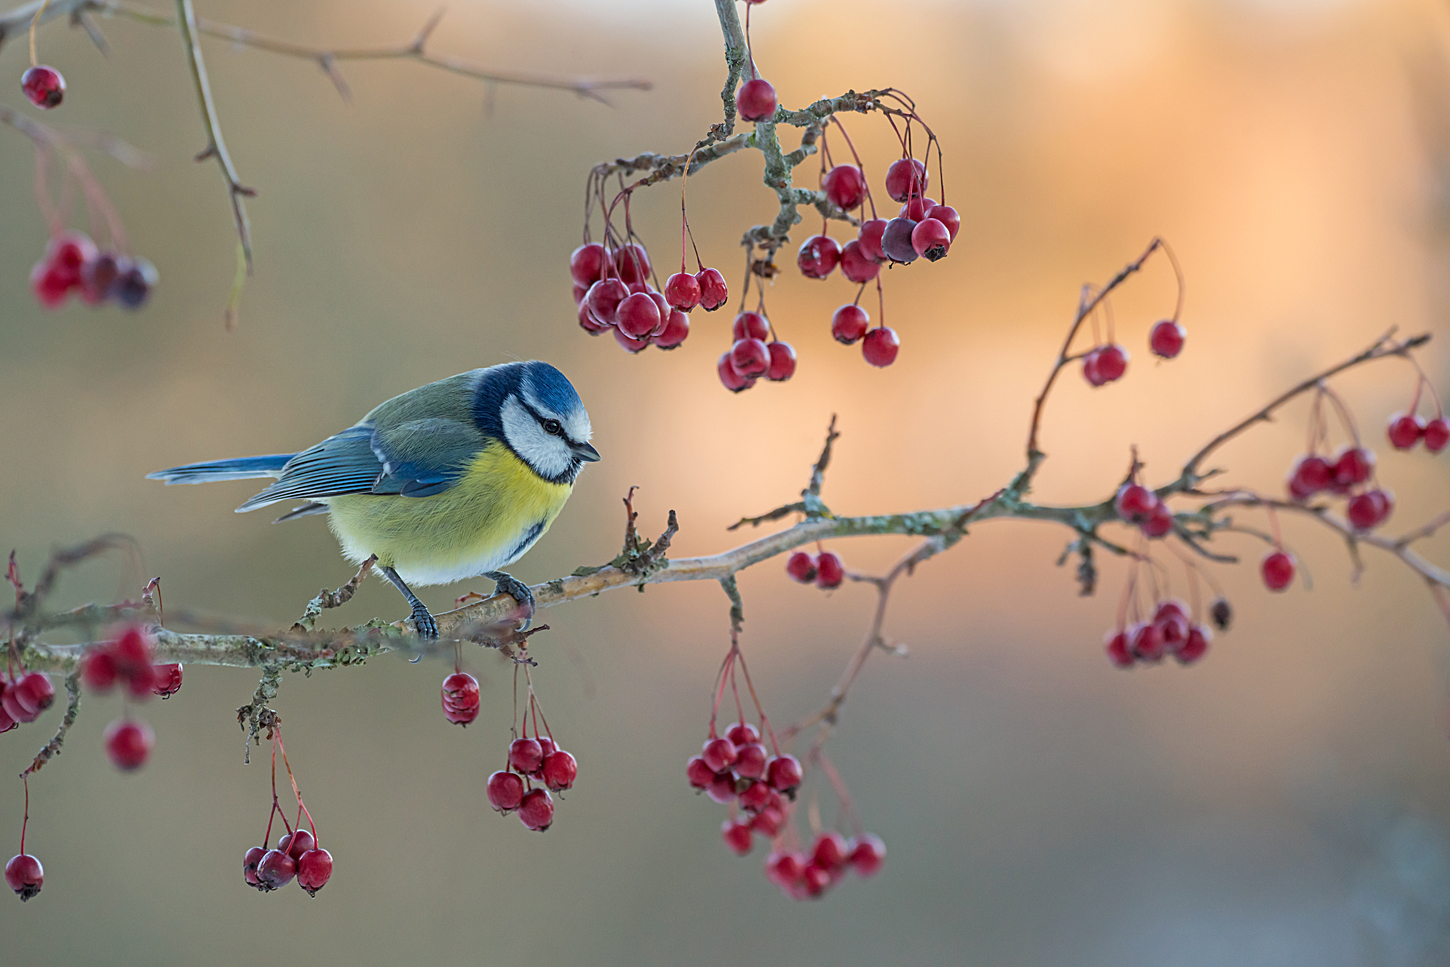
(453, 480)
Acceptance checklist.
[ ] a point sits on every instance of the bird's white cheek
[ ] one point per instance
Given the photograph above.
(547, 454)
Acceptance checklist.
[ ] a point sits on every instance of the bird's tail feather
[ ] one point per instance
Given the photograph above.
(239, 468)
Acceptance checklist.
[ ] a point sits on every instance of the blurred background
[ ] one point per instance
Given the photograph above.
(1285, 802)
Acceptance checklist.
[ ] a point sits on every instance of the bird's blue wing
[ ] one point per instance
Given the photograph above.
(425, 456)
(341, 464)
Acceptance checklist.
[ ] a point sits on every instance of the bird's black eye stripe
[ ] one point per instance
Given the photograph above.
(553, 427)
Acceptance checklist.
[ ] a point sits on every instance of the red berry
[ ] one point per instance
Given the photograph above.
(802, 567)
(1135, 502)
(830, 851)
(737, 836)
(604, 298)
(784, 869)
(733, 381)
(24, 875)
(815, 880)
(1310, 475)
(1353, 466)
(948, 216)
(931, 239)
(783, 773)
(830, 572)
(537, 810)
(166, 679)
(818, 257)
(297, 842)
(782, 362)
(1278, 570)
(906, 177)
(699, 774)
(1090, 369)
(719, 754)
(49, 284)
(880, 346)
(586, 265)
(1170, 608)
(868, 856)
(1112, 362)
(1118, 649)
(682, 291)
(25, 698)
(129, 743)
(43, 86)
(587, 322)
(70, 251)
(505, 791)
(856, 265)
(1437, 434)
(916, 207)
(675, 331)
(849, 323)
(751, 761)
(1195, 646)
(896, 240)
(637, 316)
(1166, 338)
(844, 186)
(275, 871)
(6, 721)
(460, 698)
(525, 754)
(872, 231)
(314, 869)
(768, 821)
(742, 734)
(755, 100)
(560, 770)
(1369, 509)
(1159, 522)
(750, 357)
(1147, 641)
(631, 345)
(632, 263)
(98, 670)
(1405, 430)
(713, 290)
(1174, 627)
(250, 863)
(750, 325)
(722, 788)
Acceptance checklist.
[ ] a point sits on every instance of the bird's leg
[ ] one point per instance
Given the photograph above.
(506, 583)
(422, 620)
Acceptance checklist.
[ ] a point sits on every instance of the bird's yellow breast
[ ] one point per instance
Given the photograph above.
(494, 513)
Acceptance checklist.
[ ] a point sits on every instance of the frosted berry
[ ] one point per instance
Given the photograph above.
(844, 186)
(675, 331)
(69, 252)
(868, 856)
(7, 722)
(297, 842)
(630, 344)
(713, 290)
(1353, 466)
(750, 325)
(50, 285)
(818, 257)
(784, 869)
(849, 323)
(751, 761)
(733, 381)
(722, 788)
(1166, 339)
(637, 316)
(802, 567)
(505, 791)
(783, 773)
(587, 322)
(525, 754)
(1135, 502)
(742, 734)
(1310, 475)
(166, 679)
(460, 698)
(537, 810)
(1195, 646)
(872, 231)
(750, 357)
(604, 298)
(1437, 434)
(769, 820)
(314, 869)
(135, 279)
(1159, 522)
(1112, 362)
(98, 278)
(1405, 430)
(1368, 510)
(896, 240)
(1119, 650)
(931, 239)
(250, 863)
(275, 871)
(1278, 570)
(916, 208)
(948, 216)
(1147, 641)
(755, 100)
(905, 177)
(880, 346)
(856, 265)
(1090, 369)
(682, 291)
(1174, 627)
(782, 362)
(632, 263)
(129, 743)
(662, 305)
(737, 836)
(815, 880)
(27, 697)
(560, 770)
(830, 851)
(24, 875)
(830, 572)
(719, 754)
(699, 774)
(43, 86)
(586, 265)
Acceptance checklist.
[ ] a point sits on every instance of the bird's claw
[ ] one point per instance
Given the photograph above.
(423, 623)
(506, 583)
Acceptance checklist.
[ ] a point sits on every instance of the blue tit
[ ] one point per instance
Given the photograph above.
(449, 481)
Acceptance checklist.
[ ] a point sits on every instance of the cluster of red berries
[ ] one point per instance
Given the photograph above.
(126, 660)
(1407, 429)
(297, 855)
(750, 356)
(1106, 363)
(532, 760)
(23, 698)
(43, 86)
(1169, 633)
(24, 875)
(73, 262)
(613, 293)
(1138, 505)
(825, 570)
(460, 698)
(804, 876)
(1352, 467)
(737, 769)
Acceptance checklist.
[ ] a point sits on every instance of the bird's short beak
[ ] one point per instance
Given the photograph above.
(586, 452)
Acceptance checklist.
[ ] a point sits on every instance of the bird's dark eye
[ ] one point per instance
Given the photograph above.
(554, 427)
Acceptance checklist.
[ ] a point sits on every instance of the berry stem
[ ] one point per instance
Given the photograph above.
(35, 22)
(25, 820)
